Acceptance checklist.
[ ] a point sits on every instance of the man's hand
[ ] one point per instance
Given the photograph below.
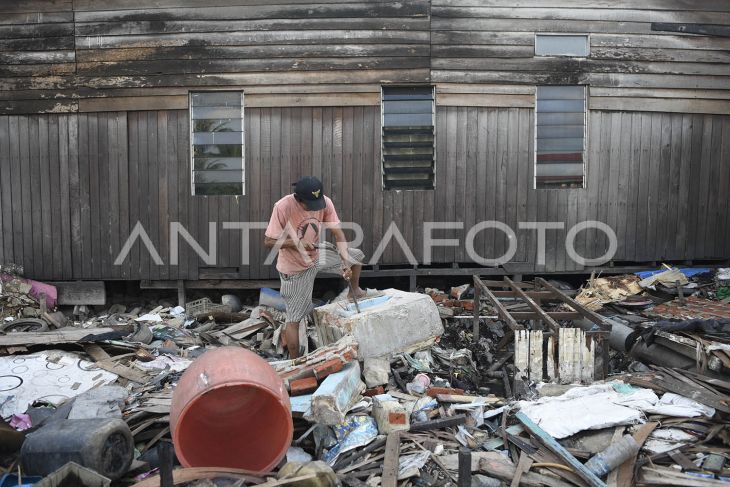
(347, 273)
(306, 246)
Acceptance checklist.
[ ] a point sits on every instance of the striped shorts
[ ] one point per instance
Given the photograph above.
(296, 289)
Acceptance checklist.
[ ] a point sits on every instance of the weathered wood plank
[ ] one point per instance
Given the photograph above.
(145, 27)
(230, 66)
(6, 222)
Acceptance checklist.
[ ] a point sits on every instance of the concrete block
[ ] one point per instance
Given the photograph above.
(376, 371)
(395, 322)
(390, 414)
(336, 395)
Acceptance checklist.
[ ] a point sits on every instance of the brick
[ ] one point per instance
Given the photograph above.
(397, 418)
(434, 391)
(329, 367)
(374, 391)
(303, 386)
(467, 304)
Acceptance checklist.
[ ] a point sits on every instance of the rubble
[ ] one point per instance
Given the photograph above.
(493, 382)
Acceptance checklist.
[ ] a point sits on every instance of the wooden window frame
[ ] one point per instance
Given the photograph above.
(191, 133)
(382, 125)
(586, 89)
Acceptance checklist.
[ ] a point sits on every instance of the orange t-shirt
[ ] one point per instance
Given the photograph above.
(306, 225)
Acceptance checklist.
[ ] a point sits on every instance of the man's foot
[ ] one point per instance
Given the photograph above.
(359, 293)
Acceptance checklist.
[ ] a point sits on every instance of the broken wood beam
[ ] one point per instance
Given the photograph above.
(436, 424)
(551, 444)
(65, 335)
(464, 467)
(534, 306)
(579, 308)
(103, 361)
(391, 461)
(501, 310)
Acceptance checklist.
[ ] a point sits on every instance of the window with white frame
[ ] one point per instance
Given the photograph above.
(560, 120)
(408, 137)
(217, 143)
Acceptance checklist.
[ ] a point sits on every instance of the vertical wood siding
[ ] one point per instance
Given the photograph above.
(72, 186)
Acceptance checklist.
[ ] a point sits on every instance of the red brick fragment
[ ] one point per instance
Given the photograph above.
(327, 368)
(434, 391)
(375, 391)
(397, 418)
(303, 386)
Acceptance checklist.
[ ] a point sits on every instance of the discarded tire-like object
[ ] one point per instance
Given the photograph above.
(231, 409)
(24, 324)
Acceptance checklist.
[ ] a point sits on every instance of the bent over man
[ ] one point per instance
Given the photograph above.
(295, 228)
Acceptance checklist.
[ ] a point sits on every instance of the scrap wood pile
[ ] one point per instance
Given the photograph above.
(506, 386)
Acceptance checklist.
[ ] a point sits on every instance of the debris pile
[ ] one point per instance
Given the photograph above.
(620, 382)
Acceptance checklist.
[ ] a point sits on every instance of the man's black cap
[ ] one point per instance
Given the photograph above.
(309, 190)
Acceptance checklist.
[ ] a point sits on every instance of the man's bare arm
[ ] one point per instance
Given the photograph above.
(287, 243)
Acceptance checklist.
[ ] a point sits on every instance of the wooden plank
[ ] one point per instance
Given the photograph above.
(80, 5)
(714, 5)
(523, 466)
(244, 38)
(390, 463)
(549, 442)
(713, 239)
(626, 469)
(585, 312)
(416, 8)
(64, 335)
(55, 225)
(44, 195)
(663, 105)
(163, 27)
(103, 361)
(6, 208)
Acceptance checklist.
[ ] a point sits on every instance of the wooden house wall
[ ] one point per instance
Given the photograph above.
(630, 67)
(94, 129)
(72, 187)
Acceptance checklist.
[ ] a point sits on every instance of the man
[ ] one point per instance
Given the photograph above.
(295, 228)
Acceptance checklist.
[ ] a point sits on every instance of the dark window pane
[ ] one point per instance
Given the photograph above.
(560, 119)
(217, 163)
(230, 189)
(217, 99)
(220, 150)
(407, 119)
(217, 176)
(564, 145)
(408, 93)
(218, 138)
(216, 112)
(560, 106)
(218, 125)
(561, 92)
(409, 106)
(552, 131)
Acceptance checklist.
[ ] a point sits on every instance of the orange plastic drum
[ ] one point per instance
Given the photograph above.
(231, 409)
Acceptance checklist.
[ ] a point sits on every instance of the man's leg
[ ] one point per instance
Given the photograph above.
(355, 281)
(291, 333)
(296, 290)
